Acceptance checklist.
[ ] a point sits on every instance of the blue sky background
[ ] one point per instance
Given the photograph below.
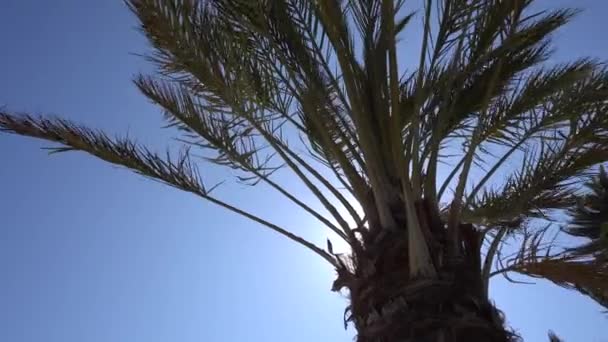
(89, 253)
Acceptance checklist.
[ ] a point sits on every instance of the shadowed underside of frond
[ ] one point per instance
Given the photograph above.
(589, 277)
(584, 268)
(585, 276)
(590, 220)
(315, 87)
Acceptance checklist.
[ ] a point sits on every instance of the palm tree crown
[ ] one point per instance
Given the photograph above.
(317, 88)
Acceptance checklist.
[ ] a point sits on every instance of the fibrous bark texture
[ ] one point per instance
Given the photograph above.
(388, 305)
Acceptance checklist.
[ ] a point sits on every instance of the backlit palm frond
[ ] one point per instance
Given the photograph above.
(588, 277)
(590, 219)
(256, 64)
(235, 141)
(529, 192)
(539, 103)
(539, 257)
(494, 63)
(324, 121)
(566, 138)
(480, 77)
(179, 172)
(569, 273)
(555, 173)
(515, 114)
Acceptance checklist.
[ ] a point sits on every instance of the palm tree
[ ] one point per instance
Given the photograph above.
(316, 87)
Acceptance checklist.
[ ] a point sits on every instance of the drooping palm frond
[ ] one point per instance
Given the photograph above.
(539, 257)
(590, 219)
(179, 172)
(240, 62)
(589, 277)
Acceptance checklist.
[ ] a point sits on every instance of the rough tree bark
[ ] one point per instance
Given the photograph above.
(387, 305)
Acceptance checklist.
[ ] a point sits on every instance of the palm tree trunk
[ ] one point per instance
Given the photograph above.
(386, 305)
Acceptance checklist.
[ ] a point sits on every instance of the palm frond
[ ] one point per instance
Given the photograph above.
(250, 62)
(587, 277)
(179, 172)
(590, 219)
(561, 148)
(481, 73)
(539, 257)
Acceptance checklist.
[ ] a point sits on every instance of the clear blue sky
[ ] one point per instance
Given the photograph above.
(89, 253)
